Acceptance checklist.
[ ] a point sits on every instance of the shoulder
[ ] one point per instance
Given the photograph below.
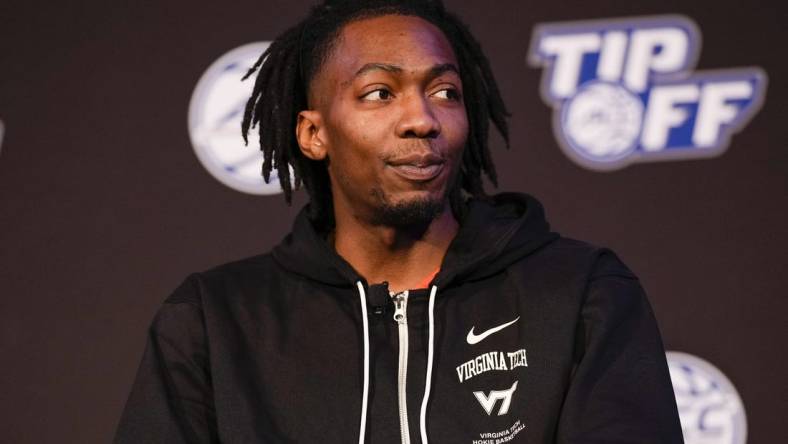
(598, 286)
(254, 266)
(575, 257)
(606, 286)
(222, 279)
(572, 271)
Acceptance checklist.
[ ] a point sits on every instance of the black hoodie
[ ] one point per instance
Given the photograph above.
(523, 337)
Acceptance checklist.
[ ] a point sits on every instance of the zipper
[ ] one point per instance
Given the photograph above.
(401, 318)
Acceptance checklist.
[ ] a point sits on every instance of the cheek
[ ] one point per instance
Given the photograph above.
(456, 130)
(356, 141)
(352, 157)
(351, 145)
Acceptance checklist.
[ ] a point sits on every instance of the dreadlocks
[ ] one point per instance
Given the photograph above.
(287, 68)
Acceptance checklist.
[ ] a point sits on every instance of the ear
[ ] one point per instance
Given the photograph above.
(310, 134)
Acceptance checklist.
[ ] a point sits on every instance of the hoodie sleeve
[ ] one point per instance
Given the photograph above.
(171, 399)
(620, 390)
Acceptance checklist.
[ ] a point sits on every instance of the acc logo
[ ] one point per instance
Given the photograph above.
(215, 114)
(710, 409)
(624, 91)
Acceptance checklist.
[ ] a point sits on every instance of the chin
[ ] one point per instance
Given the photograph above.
(414, 211)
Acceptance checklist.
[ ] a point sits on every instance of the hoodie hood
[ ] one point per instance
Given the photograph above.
(494, 233)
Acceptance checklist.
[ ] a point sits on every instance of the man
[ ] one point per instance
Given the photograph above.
(406, 305)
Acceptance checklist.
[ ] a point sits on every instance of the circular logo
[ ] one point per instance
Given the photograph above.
(215, 114)
(710, 409)
(602, 121)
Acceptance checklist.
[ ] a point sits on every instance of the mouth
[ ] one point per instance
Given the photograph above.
(418, 173)
(417, 167)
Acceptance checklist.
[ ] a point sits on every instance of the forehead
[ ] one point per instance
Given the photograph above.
(406, 41)
(391, 39)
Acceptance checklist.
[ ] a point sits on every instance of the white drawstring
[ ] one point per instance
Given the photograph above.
(430, 353)
(365, 322)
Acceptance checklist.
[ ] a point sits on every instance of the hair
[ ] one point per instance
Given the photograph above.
(287, 67)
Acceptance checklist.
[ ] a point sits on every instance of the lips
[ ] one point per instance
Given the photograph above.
(417, 167)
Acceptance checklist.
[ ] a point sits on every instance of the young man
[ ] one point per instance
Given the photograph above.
(406, 305)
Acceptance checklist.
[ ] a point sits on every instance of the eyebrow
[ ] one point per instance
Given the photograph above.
(433, 72)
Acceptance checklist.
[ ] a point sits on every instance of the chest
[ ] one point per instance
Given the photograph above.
(501, 364)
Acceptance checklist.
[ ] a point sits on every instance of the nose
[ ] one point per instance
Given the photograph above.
(417, 119)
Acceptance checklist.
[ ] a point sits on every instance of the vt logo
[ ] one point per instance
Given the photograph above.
(488, 401)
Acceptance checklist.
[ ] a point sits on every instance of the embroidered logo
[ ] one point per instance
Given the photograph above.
(475, 339)
(494, 360)
(488, 401)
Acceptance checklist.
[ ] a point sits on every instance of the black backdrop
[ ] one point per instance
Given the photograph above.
(104, 207)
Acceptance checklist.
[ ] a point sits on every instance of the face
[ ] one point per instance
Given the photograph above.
(389, 118)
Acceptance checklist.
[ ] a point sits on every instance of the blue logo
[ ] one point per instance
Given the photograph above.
(625, 91)
(215, 114)
(710, 408)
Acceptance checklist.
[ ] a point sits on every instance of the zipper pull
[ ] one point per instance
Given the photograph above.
(400, 304)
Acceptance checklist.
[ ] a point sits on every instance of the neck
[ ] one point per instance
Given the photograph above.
(402, 256)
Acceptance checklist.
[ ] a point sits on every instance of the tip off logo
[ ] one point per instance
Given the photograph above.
(710, 409)
(624, 91)
(215, 114)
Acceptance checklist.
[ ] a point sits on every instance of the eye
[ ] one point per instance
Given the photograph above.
(448, 94)
(378, 95)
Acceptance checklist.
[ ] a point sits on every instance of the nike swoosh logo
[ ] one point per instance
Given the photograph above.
(475, 339)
